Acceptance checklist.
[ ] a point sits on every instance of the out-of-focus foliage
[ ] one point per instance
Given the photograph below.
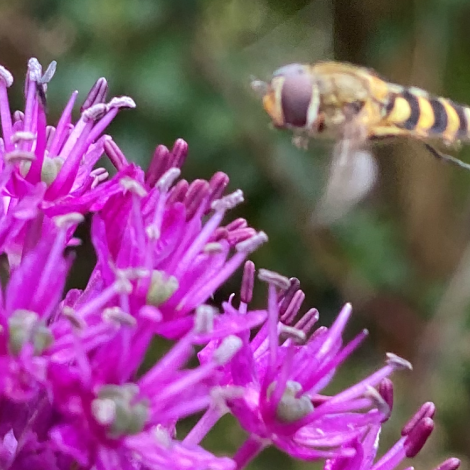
(401, 257)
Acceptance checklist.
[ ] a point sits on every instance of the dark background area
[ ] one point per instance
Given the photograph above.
(402, 256)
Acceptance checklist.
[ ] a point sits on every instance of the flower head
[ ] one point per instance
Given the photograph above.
(47, 170)
(414, 435)
(282, 371)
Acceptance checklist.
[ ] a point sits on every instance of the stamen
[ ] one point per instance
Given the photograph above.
(68, 220)
(252, 244)
(397, 362)
(121, 102)
(217, 185)
(18, 156)
(385, 389)
(167, 180)
(426, 411)
(178, 192)
(96, 95)
(115, 154)
(418, 436)
(116, 314)
(237, 224)
(197, 191)
(287, 296)
(179, 153)
(274, 278)
(228, 202)
(160, 162)
(293, 307)
(20, 136)
(95, 112)
(133, 186)
(449, 464)
(248, 281)
(6, 76)
(34, 70)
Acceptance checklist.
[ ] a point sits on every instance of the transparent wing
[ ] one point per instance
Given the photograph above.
(352, 174)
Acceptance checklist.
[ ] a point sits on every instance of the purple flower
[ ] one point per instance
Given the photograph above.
(277, 378)
(170, 236)
(414, 435)
(46, 170)
(73, 393)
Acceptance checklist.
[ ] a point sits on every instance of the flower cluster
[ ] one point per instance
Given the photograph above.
(73, 394)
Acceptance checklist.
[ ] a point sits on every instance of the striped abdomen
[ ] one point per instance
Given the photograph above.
(413, 110)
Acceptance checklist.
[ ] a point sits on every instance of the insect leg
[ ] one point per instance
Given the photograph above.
(447, 158)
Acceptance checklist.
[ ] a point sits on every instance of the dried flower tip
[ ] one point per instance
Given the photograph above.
(292, 407)
(96, 95)
(418, 436)
(228, 202)
(449, 464)
(49, 73)
(162, 287)
(73, 318)
(274, 278)
(68, 220)
(6, 76)
(121, 102)
(116, 314)
(18, 156)
(204, 319)
(229, 346)
(248, 281)
(379, 402)
(95, 112)
(289, 332)
(398, 362)
(427, 410)
(34, 70)
(213, 248)
(22, 136)
(166, 181)
(252, 244)
(133, 186)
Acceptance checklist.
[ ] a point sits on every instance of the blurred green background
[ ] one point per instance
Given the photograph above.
(402, 256)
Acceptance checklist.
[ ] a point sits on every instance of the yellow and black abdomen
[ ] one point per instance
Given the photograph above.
(417, 113)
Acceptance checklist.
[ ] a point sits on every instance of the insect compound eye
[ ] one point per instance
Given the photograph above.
(296, 94)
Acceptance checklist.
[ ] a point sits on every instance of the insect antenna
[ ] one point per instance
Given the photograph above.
(446, 158)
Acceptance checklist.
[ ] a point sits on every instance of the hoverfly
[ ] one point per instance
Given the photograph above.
(352, 105)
